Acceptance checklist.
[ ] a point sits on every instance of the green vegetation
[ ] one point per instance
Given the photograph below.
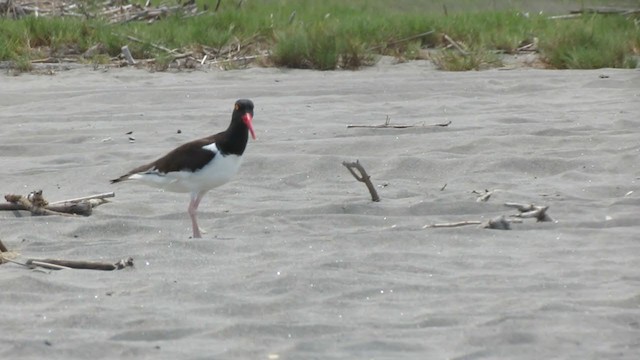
(328, 35)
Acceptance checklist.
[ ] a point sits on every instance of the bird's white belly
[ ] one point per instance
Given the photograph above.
(218, 172)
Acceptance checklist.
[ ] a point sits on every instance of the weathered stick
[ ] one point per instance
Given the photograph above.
(497, 223)
(90, 197)
(483, 196)
(387, 125)
(82, 208)
(127, 55)
(34, 203)
(37, 205)
(243, 58)
(56, 264)
(562, 17)
(605, 10)
(159, 47)
(531, 211)
(453, 224)
(455, 45)
(362, 177)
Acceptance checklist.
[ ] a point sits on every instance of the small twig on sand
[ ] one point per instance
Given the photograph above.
(497, 223)
(387, 125)
(484, 196)
(90, 197)
(55, 264)
(530, 211)
(362, 177)
(453, 224)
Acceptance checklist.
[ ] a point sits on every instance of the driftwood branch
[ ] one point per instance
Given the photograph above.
(530, 211)
(497, 223)
(37, 205)
(100, 197)
(388, 125)
(483, 196)
(455, 45)
(501, 222)
(57, 264)
(362, 176)
(453, 224)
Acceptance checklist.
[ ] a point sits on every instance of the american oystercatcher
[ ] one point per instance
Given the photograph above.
(200, 165)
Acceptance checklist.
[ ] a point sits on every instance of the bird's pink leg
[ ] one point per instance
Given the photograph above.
(193, 210)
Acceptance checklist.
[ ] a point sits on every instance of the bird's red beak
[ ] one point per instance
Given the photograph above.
(247, 118)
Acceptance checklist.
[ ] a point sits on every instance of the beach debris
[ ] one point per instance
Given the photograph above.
(57, 264)
(113, 11)
(502, 222)
(362, 177)
(530, 211)
(127, 55)
(607, 10)
(497, 223)
(455, 45)
(388, 125)
(35, 203)
(484, 196)
(9, 9)
(7, 256)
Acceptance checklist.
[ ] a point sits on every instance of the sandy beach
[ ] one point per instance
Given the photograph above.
(298, 263)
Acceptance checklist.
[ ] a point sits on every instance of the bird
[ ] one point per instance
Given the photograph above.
(200, 165)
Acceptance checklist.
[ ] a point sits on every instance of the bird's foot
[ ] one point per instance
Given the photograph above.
(197, 233)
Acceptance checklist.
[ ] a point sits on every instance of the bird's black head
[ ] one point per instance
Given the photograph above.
(243, 109)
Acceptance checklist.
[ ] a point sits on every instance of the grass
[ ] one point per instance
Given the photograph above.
(333, 34)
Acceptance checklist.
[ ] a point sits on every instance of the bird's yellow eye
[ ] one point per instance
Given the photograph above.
(237, 107)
